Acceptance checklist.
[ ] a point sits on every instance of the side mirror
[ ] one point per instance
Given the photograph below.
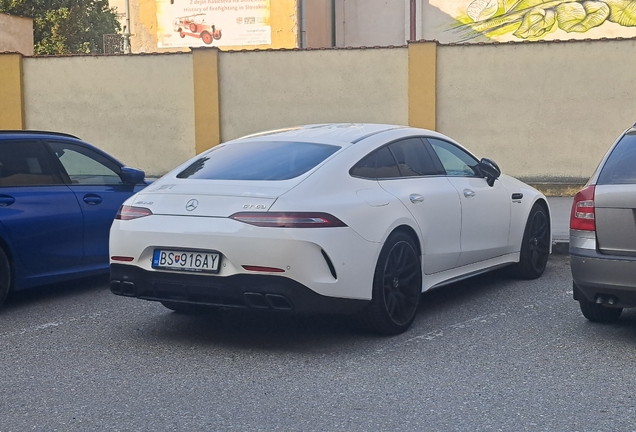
(132, 176)
(490, 170)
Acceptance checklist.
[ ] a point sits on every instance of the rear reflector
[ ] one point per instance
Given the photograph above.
(122, 258)
(289, 220)
(263, 269)
(129, 212)
(582, 215)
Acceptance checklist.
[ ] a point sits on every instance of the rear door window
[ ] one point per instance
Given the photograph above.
(412, 158)
(404, 158)
(620, 167)
(26, 163)
(269, 160)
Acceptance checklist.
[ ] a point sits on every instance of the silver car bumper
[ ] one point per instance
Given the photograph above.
(597, 275)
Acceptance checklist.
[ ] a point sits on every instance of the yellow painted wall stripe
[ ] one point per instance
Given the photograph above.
(11, 92)
(422, 84)
(207, 120)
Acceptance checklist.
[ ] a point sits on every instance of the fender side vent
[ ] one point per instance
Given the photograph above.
(332, 269)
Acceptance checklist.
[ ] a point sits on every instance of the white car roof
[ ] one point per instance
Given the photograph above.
(329, 132)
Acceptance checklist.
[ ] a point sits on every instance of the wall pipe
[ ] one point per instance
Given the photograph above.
(413, 34)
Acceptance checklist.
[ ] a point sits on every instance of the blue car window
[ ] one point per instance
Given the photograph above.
(26, 163)
(85, 166)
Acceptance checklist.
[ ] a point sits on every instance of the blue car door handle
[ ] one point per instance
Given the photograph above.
(6, 200)
(92, 199)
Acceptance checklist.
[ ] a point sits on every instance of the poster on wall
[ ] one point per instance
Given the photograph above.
(194, 23)
(457, 21)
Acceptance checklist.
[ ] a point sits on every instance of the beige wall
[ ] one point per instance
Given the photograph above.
(269, 90)
(16, 34)
(541, 110)
(138, 108)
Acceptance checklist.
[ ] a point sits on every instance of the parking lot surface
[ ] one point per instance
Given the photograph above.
(490, 353)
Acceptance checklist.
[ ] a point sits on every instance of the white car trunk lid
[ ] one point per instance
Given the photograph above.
(210, 198)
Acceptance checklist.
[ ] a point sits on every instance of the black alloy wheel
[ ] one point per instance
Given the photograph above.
(397, 286)
(535, 246)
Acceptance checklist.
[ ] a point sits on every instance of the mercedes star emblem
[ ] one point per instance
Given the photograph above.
(192, 204)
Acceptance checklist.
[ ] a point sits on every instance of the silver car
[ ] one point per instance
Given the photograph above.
(603, 235)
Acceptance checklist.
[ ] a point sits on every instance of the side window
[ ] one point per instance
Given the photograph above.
(456, 162)
(365, 168)
(85, 166)
(26, 163)
(412, 158)
(377, 165)
(620, 167)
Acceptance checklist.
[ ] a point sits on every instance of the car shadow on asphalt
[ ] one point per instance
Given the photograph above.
(280, 331)
(54, 292)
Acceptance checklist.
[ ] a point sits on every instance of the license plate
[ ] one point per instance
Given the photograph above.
(186, 260)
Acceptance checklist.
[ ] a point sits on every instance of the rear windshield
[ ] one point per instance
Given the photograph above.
(620, 167)
(269, 160)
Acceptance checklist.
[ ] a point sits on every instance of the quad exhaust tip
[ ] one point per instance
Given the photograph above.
(606, 300)
(267, 301)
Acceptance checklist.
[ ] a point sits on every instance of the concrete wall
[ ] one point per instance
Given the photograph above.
(541, 110)
(138, 108)
(16, 34)
(269, 90)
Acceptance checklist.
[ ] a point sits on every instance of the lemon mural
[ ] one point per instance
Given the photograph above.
(510, 20)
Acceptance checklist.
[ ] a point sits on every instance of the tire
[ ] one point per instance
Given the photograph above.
(598, 313)
(193, 27)
(182, 34)
(217, 34)
(397, 286)
(535, 245)
(206, 37)
(5, 276)
(186, 308)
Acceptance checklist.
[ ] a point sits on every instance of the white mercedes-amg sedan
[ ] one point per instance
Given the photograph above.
(330, 218)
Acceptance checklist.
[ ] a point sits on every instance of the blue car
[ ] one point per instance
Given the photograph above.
(58, 198)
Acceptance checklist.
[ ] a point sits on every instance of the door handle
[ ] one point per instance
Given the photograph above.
(6, 200)
(469, 193)
(92, 199)
(416, 198)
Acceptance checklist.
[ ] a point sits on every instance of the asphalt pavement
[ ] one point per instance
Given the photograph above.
(485, 354)
(560, 210)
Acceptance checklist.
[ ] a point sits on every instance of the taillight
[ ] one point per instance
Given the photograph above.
(582, 215)
(289, 220)
(129, 212)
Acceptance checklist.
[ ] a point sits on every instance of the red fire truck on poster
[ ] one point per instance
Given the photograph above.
(196, 26)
